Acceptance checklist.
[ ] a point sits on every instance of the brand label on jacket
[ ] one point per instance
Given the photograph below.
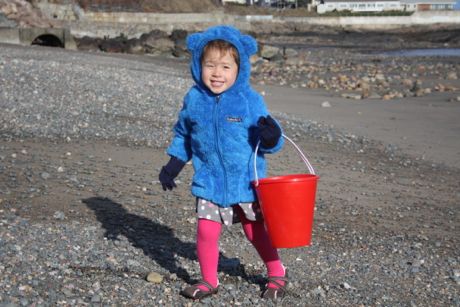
(233, 119)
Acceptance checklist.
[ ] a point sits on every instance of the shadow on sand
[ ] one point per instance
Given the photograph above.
(156, 241)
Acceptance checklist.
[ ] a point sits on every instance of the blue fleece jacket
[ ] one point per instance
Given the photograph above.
(219, 132)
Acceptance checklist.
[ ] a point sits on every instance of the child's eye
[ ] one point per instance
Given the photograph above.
(227, 67)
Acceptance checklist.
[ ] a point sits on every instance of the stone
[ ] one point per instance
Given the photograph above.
(319, 292)
(352, 96)
(88, 43)
(96, 298)
(346, 286)
(456, 276)
(161, 45)
(59, 215)
(380, 77)
(269, 52)
(452, 75)
(135, 46)
(154, 278)
(290, 53)
(407, 83)
(113, 45)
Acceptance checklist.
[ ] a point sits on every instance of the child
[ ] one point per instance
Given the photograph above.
(220, 123)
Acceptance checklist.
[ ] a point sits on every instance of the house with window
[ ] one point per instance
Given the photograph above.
(358, 5)
(427, 5)
(324, 6)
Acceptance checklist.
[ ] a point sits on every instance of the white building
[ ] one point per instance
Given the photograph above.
(428, 5)
(324, 6)
(358, 5)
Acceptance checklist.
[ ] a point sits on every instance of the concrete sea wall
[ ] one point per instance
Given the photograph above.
(134, 24)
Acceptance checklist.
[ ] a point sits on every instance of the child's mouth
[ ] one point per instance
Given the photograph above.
(217, 83)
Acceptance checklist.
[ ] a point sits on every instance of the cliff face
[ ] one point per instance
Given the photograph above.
(24, 14)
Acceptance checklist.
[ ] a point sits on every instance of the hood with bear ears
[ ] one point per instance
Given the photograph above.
(246, 46)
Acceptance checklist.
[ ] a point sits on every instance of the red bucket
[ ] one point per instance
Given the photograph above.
(288, 205)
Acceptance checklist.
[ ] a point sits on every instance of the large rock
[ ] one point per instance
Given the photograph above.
(180, 45)
(157, 42)
(270, 52)
(149, 39)
(87, 43)
(114, 45)
(135, 46)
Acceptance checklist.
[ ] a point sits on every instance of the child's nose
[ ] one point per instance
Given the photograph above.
(217, 71)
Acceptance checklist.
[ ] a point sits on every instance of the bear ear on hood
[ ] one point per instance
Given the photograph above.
(193, 40)
(249, 43)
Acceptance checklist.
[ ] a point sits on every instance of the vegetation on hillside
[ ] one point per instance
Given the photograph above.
(158, 6)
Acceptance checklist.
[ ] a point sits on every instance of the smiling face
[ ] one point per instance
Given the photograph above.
(219, 69)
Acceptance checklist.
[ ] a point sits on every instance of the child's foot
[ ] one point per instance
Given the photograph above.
(199, 290)
(275, 288)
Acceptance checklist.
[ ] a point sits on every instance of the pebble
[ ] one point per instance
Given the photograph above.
(155, 278)
(59, 215)
(326, 104)
(319, 291)
(456, 276)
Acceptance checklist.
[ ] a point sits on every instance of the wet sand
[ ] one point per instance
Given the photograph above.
(426, 127)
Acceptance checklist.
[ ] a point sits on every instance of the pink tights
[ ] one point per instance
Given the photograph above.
(208, 234)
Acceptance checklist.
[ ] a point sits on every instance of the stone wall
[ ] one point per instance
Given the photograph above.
(9, 36)
(134, 24)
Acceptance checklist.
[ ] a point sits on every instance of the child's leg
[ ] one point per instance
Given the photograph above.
(258, 236)
(207, 245)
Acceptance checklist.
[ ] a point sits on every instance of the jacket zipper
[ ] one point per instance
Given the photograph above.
(219, 154)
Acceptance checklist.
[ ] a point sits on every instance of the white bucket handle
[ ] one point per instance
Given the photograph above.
(304, 159)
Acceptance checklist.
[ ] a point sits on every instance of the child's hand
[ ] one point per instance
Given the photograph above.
(269, 131)
(169, 172)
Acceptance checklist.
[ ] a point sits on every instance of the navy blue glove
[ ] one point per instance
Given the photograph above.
(169, 172)
(269, 131)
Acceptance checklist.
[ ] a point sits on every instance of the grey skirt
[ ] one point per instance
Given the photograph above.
(227, 216)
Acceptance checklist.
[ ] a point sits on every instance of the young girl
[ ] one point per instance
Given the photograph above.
(220, 123)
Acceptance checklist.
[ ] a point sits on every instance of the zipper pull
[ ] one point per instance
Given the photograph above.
(218, 98)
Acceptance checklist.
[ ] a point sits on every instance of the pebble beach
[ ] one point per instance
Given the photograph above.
(84, 221)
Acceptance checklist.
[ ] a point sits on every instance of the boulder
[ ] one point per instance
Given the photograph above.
(159, 46)
(180, 45)
(87, 43)
(135, 46)
(270, 52)
(114, 45)
(149, 39)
